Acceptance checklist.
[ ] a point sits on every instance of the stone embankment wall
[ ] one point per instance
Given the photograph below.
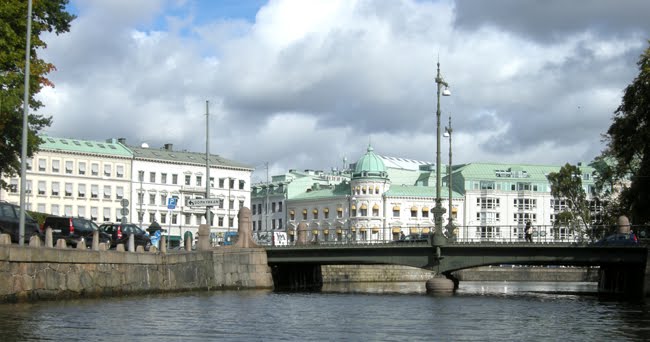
(32, 273)
(388, 273)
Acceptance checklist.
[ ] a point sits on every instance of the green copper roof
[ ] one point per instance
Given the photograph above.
(512, 172)
(84, 146)
(370, 165)
(419, 191)
(325, 191)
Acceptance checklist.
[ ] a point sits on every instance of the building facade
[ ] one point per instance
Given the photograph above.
(74, 177)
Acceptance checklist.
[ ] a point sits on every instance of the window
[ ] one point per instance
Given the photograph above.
(174, 218)
(425, 212)
(119, 192)
(163, 178)
(523, 186)
(259, 208)
(375, 210)
(28, 184)
(140, 216)
(107, 214)
(163, 218)
(241, 204)
(119, 171)
(231, 222)
(56, 167)
(174, 179)
(488, 217)
(188, 179)
(279, 207)
(254, 225)
(231, 204)
(488, 232)
(41, 207)
(94, 169)
(326, 213)
(188, 218)
(94, 213)
(254, 211)
(525, 203)
(152, 177)
(231, 183)
(364, 210)
(42, 164)
(315, 214)
(272, 223)
(163, 199)
(108, 170)
(55, 209)
(198, 180)
(94, 191)
(69, 167)
(273, 207)
(221, 182)
(487, 203)
(141, 176)
(396, 211)
(487, 185)
(559, 205)
(68, 190)
(55, 188)
(81, 211)
(414, 212)
(13, 185)
(279, 223)
(292, 215)
(107, 192)
(242, 183)
(29, 164)
(304, 214)
(82, 168)
(41, 187)
(152, 199)
(81, 190)
(522, 218)
(152, 217)
(140, 198)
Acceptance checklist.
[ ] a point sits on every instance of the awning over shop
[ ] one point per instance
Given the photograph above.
(425, 230)
(425, 209)
(375, 229)
(397, 229)
(414, 208)
(364, 206)
(174, 238)
(396, 207)
(375, 207)
(413, 230)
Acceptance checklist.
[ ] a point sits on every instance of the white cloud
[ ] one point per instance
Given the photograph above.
(312, 81)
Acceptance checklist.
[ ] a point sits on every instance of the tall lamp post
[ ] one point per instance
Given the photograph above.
(438, 237)
(450, 225)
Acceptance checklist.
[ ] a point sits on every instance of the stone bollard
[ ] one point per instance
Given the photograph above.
(131, 243)
(623, 224)
(60, 243)
(81, 244)
(163, 244)
(119, 247)
(139, 249)
(244, 231)
(302, 234)
(49, 242)
(103, 246)
(204, 238)
(188, 245)
(35, 241)
(96, 240)
(153, 249)
(5, 239)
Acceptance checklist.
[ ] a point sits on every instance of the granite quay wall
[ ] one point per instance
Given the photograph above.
(388, 273)
(34, 273)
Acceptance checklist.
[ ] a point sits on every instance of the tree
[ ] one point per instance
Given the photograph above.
(567, 184)
(628, 146)
(47, 15)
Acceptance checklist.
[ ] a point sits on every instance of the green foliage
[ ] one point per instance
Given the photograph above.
(47, 15)
(628, 146)
(567, 184)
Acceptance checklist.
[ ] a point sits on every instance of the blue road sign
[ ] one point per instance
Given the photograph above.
(171, 203)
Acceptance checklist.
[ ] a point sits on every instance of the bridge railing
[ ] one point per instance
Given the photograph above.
(542, 234)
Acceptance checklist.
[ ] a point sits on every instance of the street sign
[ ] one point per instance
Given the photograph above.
(124, 211)
(171, 203)
(203, 202)
(124, 202)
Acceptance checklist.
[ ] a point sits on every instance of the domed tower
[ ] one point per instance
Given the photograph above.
(368, 184)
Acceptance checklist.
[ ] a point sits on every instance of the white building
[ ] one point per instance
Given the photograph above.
(163, 173)
(75, 177)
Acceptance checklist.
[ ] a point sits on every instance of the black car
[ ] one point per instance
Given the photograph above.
(10, 222)
(618, 239)
(120, 232)
(414, 238)
(73, 230)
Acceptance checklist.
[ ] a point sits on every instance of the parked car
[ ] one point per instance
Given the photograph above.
(414, 238)
(10, 222)
(120, 232)
(618, 239)
(74, 229)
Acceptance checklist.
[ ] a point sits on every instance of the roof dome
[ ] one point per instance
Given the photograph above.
(370, 165)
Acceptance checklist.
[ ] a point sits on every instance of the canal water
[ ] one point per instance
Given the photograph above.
(480, 311)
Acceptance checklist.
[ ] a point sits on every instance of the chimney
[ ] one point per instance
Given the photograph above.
(168, 147)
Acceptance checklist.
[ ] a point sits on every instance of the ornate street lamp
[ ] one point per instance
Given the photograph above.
(438, 238)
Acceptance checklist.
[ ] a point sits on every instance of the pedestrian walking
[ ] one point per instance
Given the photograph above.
(528, 232)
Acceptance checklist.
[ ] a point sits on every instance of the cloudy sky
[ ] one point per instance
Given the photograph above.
(302, 84)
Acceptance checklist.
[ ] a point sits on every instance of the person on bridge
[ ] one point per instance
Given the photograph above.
(528, 232)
